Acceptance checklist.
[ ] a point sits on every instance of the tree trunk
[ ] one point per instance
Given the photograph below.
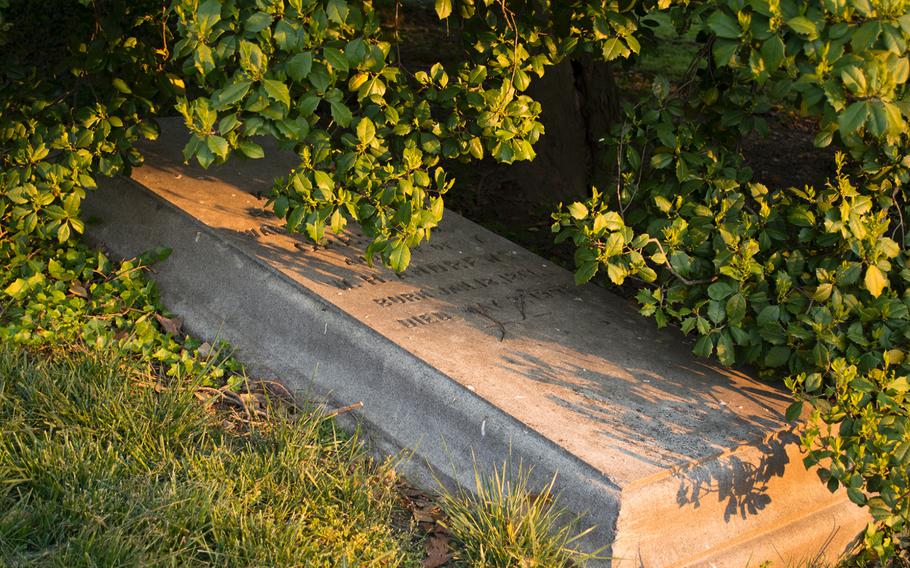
(579, 103)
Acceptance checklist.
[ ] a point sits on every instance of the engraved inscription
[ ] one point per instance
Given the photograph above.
(443, 266)
(480, 283)
(425, 319)
(358, 281)
(264, 230)
(268, 229)
(539, 294)
(257, 212)
(405, 298)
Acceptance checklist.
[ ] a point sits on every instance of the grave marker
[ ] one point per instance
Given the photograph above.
(481, 347)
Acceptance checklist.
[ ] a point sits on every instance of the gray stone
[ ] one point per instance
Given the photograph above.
(484, 349)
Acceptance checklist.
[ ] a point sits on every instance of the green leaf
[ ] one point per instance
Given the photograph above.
(230, 95)
(681, 263)
(804, 26)
(813, 382)
(586, 271)
(616, 272)
(257, 22)
(877, 120)
(578, 210)
(726, 351)
(218, 145)
(366, 131)
(475, 147)
(281, 206)
(337, 221)
(121, 86)
(864, 37)
(295, 217)
(794, 411)
(336, 59)
(822, 292)
(251, 150)
(660, 161)
(720, 290)
(341, 113)
(613, 48)
(772, 52)
(323, 180)
(736, 308)
(277, 91)
(614, 245)
(208, 14)
(716, 311)
(704, 346)
(400, 256)
(768, 315)
(612, 221)
(204, 155)
(856, 495)
(300, 65)
(854, 117)
(875, 281)
(252, 59)
(63, 233)
(308, 104)
(443, 8)
(724, 25)
(203, 60)
(777, 356)
(724, 51)
(337, 11)
(17, 289)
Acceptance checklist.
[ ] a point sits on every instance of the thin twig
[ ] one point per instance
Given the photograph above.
(619, 169)
(900, 215)
(641, 169)
(482, 313)
(672, 270)
(343, 410)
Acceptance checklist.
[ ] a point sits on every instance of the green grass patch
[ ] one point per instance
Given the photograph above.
(107, 458)
(96, 470)
(673, 53)
(502, 523)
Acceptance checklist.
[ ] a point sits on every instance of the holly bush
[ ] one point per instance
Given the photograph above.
(809, 284)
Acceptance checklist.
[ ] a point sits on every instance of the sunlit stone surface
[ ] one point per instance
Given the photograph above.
(481, 346)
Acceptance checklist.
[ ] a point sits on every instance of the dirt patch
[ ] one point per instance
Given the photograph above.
(787, 157)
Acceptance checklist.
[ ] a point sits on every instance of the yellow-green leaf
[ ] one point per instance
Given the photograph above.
(875, 281)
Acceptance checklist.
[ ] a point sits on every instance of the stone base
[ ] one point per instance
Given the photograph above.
(484, 349)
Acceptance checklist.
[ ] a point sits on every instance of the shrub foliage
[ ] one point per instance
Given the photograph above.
(806, 283)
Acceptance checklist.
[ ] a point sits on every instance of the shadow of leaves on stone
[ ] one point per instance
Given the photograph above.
(741, 484)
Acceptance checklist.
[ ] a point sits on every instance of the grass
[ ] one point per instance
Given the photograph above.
(673, 53)
(502, 523)
(96, 470)
(104, 462)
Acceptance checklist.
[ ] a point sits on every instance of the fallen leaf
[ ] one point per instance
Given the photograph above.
(170, 325)
(437, 548)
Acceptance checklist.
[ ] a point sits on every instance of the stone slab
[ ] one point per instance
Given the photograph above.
(483, 348)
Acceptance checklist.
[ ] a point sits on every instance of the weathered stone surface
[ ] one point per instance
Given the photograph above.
(480, 347)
